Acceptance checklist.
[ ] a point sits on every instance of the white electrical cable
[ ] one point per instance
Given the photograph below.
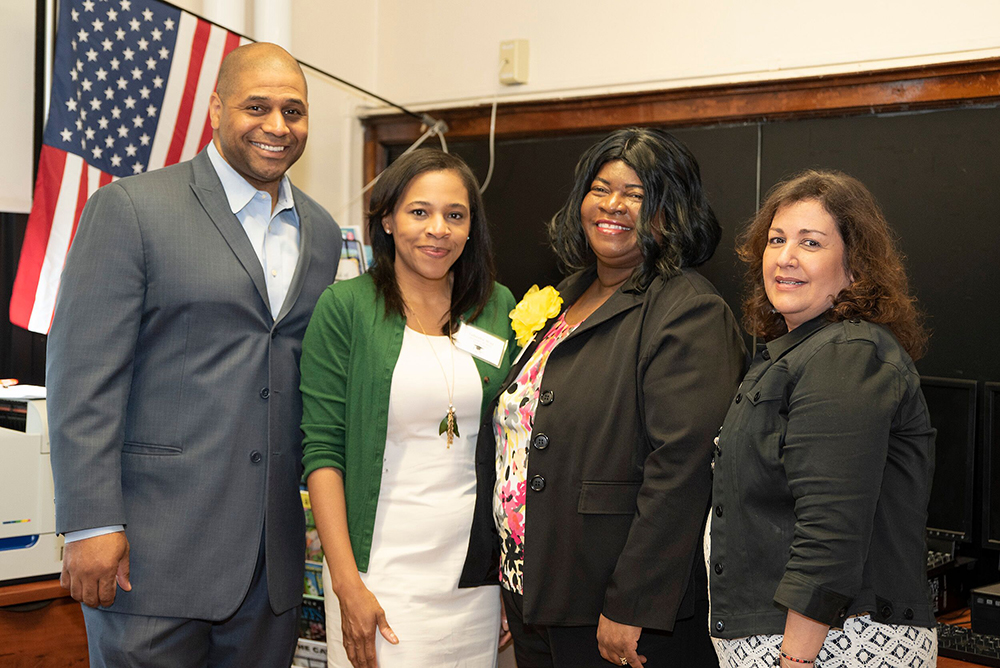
(493, 134)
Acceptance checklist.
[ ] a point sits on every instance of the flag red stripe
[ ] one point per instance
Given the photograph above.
(198, 47)
(232, 41)
(36, 235)
(81, 200)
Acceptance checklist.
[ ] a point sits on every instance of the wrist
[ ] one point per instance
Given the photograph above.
(786, 660)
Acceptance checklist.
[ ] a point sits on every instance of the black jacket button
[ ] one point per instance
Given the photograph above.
(756, 396)
(908, 613)
(718, 510)
(265, 393)
(765, 354)
(537, 483)
(540, 441)
(720, 626)
(718, 568)
(255, 457)
(546, 397)
(739, 398)
(886, 611)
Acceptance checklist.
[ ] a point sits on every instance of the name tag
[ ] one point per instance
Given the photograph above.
(480, 344)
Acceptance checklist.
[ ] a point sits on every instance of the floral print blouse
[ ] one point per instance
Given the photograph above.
(512, 423)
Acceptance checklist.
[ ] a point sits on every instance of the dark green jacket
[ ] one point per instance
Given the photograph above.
(822, 478)
(348, 357)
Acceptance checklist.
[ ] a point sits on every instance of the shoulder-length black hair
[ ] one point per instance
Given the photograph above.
(676, 228)
(473, 272)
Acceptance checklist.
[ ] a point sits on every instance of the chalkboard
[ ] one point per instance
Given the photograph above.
(936, 174)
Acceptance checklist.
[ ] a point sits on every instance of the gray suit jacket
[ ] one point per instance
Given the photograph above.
(173, 395)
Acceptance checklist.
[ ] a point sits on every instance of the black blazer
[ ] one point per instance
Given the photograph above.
(618, 472)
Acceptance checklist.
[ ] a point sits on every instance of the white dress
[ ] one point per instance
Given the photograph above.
(422, 522)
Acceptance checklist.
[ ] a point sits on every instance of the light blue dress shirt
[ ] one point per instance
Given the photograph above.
(274, 237)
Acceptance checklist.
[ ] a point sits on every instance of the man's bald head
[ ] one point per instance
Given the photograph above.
(252, 60)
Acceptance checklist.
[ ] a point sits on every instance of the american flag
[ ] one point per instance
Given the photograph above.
(130, 91)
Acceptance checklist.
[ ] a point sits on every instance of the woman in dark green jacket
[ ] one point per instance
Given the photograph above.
(824, 463)
(396, 367)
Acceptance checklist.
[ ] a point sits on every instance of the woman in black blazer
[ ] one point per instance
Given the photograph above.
(600, 476)
(824, 464)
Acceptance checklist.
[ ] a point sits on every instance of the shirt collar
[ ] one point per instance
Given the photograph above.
(786, 342)
(238, 190)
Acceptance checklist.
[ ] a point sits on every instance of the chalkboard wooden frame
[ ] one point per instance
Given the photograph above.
(937, 86)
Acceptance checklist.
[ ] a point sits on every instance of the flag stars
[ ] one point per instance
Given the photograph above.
(138, 121)
(143, 44)
(117, 113)
(169, 24)
(164, 53)
(128, 53)
(88, 6)
(112, 15)
(116, 160)
(130, 150)
(109, 142)
(97, 151)
(130, 102)
(66, 134)
(86, 85)
(102, 123)
(109, 93)
(82, 35)
(122, 83)
(144, 139)
(73, 75)
(134, 24)
(73, 44)
(144, 93)
(119, 34)
(79, 124)
(137, 168)
(91, 56)
(151, 112)
(147, 14)
(115, 63)
(158, 82)
(107, 44)
(157, 35)
(136, 73)
(79, 65)
(126, 5)
(83, 114)
(122, 131)
(102, 74)
(75, 15)
(90, 133)
(71, 104)
(95, 104)
(98, 25)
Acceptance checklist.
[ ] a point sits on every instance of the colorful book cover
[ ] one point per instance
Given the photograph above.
(312, 623)
(313, 585)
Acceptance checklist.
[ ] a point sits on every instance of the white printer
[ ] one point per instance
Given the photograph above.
(29, 546)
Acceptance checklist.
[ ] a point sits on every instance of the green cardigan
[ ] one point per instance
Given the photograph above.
(348, 357)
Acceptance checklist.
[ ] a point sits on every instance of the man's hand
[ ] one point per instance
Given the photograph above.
(93, 566)
(618, 643)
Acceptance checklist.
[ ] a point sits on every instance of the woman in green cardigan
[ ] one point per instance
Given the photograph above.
(397, 365)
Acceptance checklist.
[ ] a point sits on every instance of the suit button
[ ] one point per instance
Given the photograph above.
(720, 626)
(541, 441)
(255, 457)
(739, 398)
(265, 393)
(274, 333)
(908, 613)
(546, 397)
(766, 355)
(718, 568)
(537, 483)
(718, 510)
(886, 611)
(486, 380)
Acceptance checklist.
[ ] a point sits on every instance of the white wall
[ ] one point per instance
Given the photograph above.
(17, 80)
(445, 52)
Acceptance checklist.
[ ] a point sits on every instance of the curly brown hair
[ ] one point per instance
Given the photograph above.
(880, 292)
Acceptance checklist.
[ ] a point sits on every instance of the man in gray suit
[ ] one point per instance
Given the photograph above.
(173, 388)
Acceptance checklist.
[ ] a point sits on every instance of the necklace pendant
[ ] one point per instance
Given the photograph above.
(449, 426)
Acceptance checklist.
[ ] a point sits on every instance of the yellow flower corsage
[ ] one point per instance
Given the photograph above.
(532, 312)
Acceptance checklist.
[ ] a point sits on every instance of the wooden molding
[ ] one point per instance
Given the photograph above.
(894, 90)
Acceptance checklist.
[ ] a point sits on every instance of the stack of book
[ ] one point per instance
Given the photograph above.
(311, 650)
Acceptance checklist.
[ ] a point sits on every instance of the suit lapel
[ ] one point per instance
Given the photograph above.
(208, 189)
(305, 243)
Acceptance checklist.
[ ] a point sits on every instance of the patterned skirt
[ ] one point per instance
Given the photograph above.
(861, 643)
